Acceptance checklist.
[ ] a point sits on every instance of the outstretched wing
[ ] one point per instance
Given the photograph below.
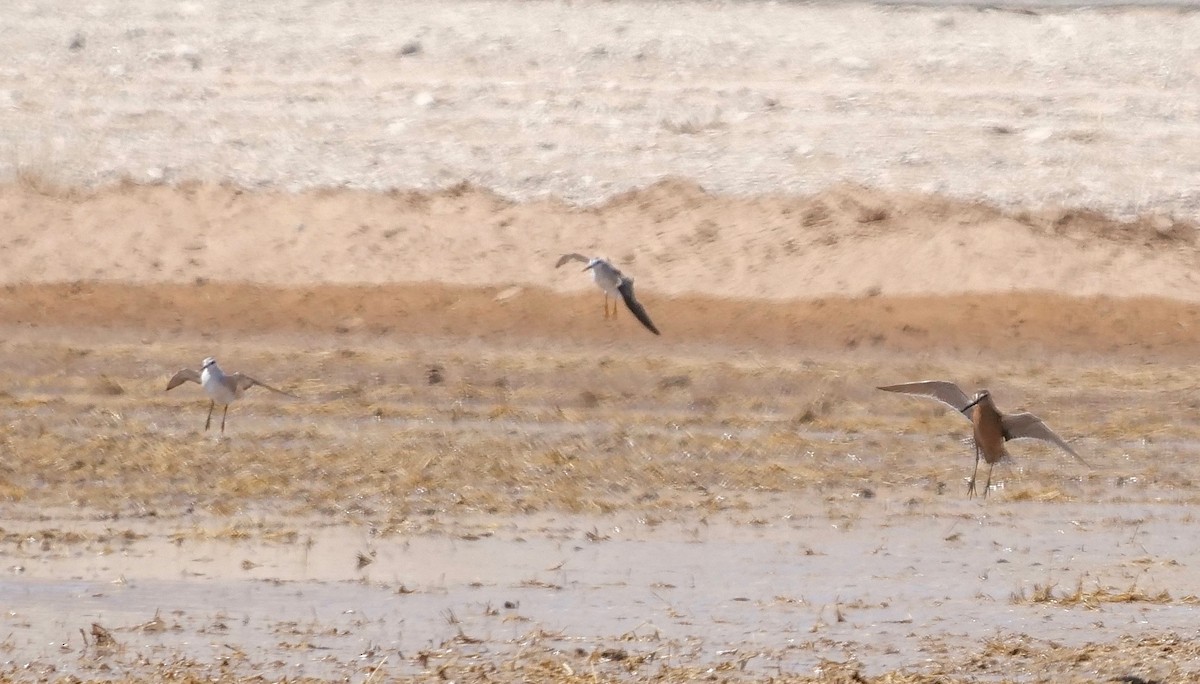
(1027, 425)
(185, 375)
(567, 258)
(943, 390)
(245, 382)
(626, 290)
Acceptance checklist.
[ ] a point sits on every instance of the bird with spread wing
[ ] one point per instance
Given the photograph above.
(221, 388)
(991, 427)
(614, 284)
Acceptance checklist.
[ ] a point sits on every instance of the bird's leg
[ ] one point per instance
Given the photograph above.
(988, 486)
(208, 421)
(971, 484)
(226, 413)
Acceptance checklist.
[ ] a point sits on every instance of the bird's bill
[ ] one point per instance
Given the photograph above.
(976, 401)
(588, 267)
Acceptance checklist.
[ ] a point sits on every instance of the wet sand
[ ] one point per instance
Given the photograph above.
(888, 584)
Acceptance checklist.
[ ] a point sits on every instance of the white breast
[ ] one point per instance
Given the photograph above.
(215, 387)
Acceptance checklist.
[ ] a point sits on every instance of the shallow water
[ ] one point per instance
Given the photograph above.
(890, 584)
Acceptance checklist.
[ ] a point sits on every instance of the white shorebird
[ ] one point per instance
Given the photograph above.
(220, 388)
(615, 284)
(992, 428)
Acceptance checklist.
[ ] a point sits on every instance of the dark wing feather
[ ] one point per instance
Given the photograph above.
(1027, 425)
(567, 258)
(943, 390)
(245, 382)
(626, 290)
(185, 375)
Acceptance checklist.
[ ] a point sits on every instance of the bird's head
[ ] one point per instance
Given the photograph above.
(592, 263)
(210, 361)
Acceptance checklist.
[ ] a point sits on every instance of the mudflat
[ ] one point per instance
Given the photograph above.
(483, 479)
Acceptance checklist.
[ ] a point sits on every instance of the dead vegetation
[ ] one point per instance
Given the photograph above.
(664, 435)
(1095, 595)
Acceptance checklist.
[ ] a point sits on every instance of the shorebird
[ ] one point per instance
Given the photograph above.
(992, 428)
(614, 284)
(220, 388)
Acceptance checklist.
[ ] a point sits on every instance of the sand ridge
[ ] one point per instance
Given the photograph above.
(673, 237)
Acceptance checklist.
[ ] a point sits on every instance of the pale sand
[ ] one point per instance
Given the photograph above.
(675, 239)
(584, 99)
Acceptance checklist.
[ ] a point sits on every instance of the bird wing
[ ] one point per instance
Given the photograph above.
(245, 382)
(567, 258)
(1027, 425)
(185, 375)
(626, 290)
(943, 390)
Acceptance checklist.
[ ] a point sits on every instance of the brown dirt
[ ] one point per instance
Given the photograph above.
(1001, 325)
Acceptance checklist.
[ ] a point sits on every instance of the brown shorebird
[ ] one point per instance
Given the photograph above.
(615, 284)
(220, 388)
(992, 428)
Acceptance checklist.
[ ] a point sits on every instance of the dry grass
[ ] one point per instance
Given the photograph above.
(513, 432)
(543, 658)
(1095, 596)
